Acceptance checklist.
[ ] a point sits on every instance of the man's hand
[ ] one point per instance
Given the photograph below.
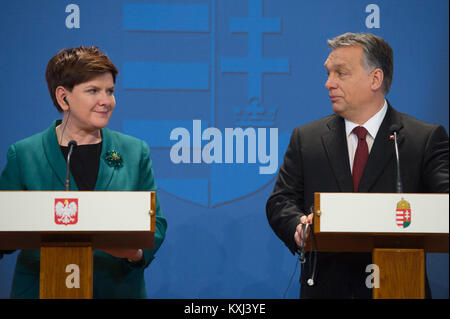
(298, 236)
(133, 255)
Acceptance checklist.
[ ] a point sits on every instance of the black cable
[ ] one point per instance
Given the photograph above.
(301, 252)
(302, 258)
(310, 281)
(290, 280)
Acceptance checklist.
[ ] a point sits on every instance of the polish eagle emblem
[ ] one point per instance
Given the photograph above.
(66, 211)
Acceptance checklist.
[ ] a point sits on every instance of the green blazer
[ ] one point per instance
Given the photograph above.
(37, 163)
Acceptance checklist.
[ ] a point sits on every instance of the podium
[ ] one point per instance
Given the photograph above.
(68, 226)
(398, 229)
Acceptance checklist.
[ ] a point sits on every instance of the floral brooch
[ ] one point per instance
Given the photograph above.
(113, 159)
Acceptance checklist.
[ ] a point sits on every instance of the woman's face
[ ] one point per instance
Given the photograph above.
(91, 103)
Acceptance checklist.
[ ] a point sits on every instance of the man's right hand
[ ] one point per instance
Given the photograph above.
(298, 236)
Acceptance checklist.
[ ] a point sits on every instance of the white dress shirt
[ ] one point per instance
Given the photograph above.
(372, 126)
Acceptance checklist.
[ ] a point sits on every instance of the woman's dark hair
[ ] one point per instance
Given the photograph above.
(70, 67)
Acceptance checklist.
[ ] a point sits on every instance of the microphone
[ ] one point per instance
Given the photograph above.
(302, 257)
(72, 144)
(301, 251)
(394, 130)
(310, 281)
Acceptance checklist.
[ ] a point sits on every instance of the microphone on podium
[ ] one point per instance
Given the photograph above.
(72, 144)
(394, 131)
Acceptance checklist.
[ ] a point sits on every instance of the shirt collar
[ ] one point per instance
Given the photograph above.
(372, 125)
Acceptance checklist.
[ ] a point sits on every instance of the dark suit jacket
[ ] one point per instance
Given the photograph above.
(37, 163)
(317, 161)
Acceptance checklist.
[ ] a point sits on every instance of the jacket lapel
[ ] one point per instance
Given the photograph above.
(105, 172)
(382, 151)
(335, 144)
(58, 163)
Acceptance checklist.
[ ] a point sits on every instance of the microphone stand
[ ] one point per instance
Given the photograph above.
(72, 145)
(399, 186)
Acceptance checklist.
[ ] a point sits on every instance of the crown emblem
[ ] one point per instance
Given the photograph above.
(255, 115)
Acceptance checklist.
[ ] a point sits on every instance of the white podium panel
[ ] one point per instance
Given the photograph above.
(91, 211)
(107, 219)
(384, 213)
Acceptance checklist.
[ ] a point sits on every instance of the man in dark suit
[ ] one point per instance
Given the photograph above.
(351, 151)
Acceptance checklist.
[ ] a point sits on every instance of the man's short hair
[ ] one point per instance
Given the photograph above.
(70, 67)
(376, 53)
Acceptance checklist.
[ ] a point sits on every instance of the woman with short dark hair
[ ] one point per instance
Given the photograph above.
(81, 83)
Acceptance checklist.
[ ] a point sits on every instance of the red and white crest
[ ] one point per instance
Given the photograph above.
(66, 211)
(403, 217)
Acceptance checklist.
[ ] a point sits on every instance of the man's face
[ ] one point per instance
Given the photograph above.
(349, 83)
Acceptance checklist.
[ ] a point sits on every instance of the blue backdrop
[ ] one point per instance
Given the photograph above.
(189, 68)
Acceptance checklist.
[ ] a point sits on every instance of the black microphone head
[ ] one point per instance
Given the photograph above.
(394, 128)
(72, 142)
